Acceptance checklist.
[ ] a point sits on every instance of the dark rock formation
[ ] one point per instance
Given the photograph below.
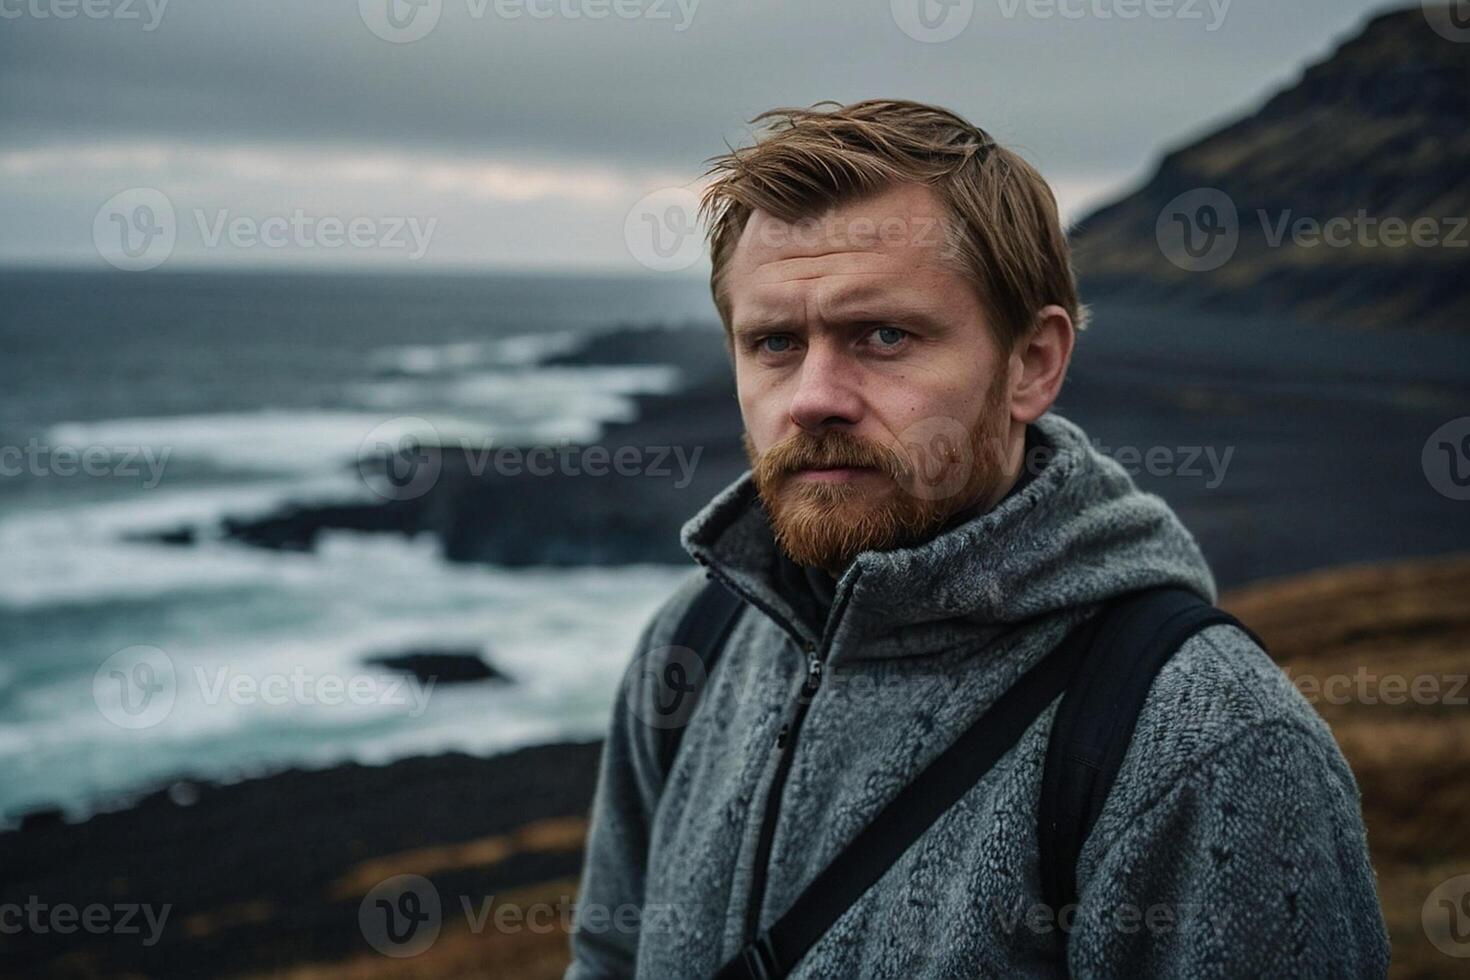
(619, 500)
(440, 666)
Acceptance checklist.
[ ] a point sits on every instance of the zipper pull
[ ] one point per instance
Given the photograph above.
(813, 672)
(781, 736)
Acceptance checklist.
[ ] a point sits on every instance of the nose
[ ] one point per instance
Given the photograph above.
(827, 391)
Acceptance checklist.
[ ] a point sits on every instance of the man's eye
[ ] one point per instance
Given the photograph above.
(775, 343)
(889, 336)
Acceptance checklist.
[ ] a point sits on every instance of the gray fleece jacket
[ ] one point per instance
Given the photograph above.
(1232, 843)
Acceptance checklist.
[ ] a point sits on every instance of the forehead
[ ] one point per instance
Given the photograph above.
(887, 250)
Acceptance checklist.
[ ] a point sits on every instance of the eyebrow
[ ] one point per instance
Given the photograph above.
(858, 305)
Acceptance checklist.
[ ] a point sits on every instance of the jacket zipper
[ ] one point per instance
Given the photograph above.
(785, 743)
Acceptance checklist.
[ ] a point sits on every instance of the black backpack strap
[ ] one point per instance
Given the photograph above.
(905, 818)
(1094, 724)
(703, 628)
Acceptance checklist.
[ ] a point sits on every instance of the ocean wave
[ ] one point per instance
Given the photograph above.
(88, 553)
(548, 404)
(271, 441)
(543, 406)
(562, 636)
(522, 350)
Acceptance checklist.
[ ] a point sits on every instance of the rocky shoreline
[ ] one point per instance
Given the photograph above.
(615, 501)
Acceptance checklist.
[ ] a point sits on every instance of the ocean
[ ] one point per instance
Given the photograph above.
(132, 405)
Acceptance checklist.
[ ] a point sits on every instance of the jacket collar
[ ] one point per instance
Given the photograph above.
(1078, 533)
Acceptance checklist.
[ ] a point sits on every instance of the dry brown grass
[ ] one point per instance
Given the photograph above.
(462, 954)
(552, 834)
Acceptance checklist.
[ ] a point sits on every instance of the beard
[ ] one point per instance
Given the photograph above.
(940, 468)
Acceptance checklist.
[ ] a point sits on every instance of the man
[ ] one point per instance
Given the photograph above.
(916, 530)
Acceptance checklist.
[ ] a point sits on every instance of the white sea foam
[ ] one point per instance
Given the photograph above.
(564, 637)
(488, 407)
(229, 610)
(272, 441)
(551, 405)
(522, 350)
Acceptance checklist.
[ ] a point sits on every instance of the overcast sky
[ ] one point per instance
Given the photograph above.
(528, 133)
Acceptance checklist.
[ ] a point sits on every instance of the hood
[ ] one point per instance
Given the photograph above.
(1078, 533)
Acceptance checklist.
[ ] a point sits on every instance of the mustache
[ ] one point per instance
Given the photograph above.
(831, 449)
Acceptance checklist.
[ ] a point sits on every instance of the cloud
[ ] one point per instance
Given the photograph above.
(549, 128)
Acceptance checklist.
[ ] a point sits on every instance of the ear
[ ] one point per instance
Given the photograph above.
(1039, 363)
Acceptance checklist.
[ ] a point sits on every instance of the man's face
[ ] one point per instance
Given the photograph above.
(874, 395)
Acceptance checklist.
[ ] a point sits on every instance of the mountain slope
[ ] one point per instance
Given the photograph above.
(1377, 136)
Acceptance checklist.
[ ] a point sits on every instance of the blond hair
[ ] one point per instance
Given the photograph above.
(1003, 225)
